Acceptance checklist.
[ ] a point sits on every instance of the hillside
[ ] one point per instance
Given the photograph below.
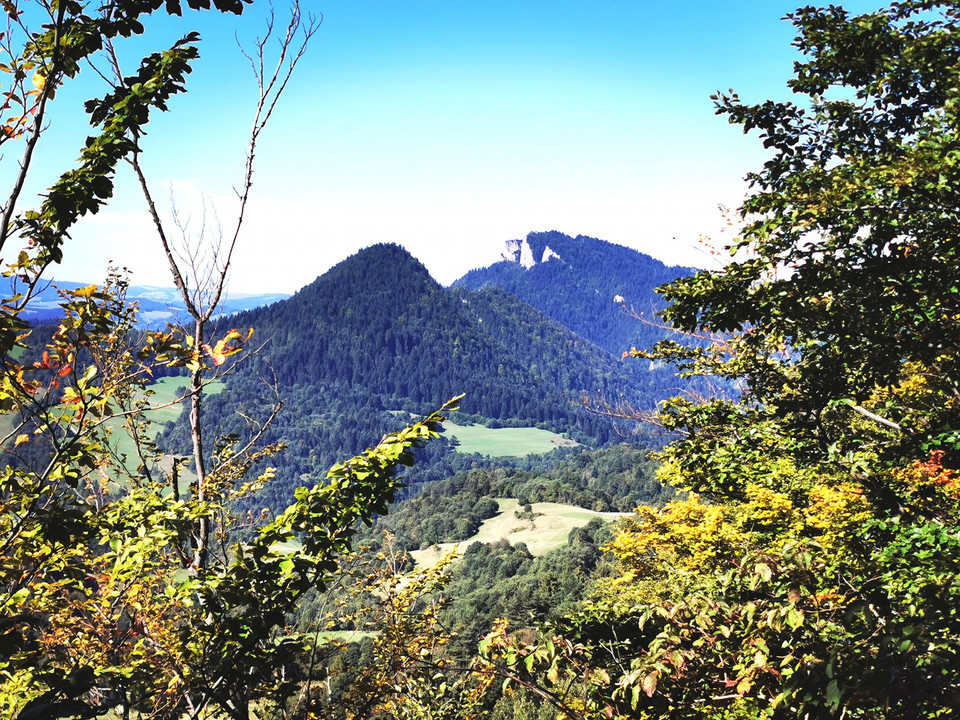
(377, 335)
(575, 281)
(378, 321)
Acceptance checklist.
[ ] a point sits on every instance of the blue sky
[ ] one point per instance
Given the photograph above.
(448, 127)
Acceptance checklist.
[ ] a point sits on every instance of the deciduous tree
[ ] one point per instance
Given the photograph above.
(814, 571)
(112, 602)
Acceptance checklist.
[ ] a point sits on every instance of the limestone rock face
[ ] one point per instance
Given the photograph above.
(520, 252)
(511, 250)
(549, 253)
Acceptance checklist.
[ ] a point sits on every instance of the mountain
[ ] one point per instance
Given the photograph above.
(379, 321)
(582, 283)
(376, 338)
(157, 305)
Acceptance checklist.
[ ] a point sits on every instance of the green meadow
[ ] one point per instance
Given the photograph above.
(163, 401)
(547, 530)
(503, 442)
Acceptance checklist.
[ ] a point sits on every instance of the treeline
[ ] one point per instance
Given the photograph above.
(319, 434)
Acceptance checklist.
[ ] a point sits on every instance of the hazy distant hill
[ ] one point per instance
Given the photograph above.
(157, 305)
(577, 282)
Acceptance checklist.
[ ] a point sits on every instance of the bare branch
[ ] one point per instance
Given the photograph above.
(164, 242)
(271, 89)
(876, 418)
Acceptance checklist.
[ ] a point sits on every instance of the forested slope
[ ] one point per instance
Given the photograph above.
(376, 338)
(575, 281)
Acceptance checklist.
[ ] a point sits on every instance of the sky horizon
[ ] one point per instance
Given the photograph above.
(448, 128)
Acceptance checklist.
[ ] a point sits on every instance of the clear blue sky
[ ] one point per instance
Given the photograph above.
(449, 127)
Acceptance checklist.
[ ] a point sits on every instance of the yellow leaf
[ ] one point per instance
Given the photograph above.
(552, 674)
(85, 292)
(21, 439)
(601, 677)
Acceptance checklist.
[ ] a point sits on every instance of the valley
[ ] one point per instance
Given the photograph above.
(523, 479)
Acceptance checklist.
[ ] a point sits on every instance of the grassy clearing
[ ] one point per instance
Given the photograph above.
(502, 442)
(165, 393)
(548, 530)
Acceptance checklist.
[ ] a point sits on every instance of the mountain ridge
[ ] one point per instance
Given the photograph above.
(157, 305)
(584, 283)
(376, 338)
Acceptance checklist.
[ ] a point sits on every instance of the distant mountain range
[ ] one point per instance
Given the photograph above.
(157, 305)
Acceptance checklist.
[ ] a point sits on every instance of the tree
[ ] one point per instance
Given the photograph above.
(812, 571)
(114, 601)
(202, 282)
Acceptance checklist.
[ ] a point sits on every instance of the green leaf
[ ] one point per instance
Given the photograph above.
(833, 694)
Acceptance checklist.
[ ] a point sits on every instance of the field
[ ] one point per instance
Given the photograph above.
(165, 391)
(501, 442)
(547, 530)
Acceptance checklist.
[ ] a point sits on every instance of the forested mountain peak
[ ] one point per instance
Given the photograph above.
(377, 272)
(582, 283)
(376, 334)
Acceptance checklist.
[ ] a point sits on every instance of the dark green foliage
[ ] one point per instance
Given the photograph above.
(578, 288)
(500, 580)
(557, 355)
